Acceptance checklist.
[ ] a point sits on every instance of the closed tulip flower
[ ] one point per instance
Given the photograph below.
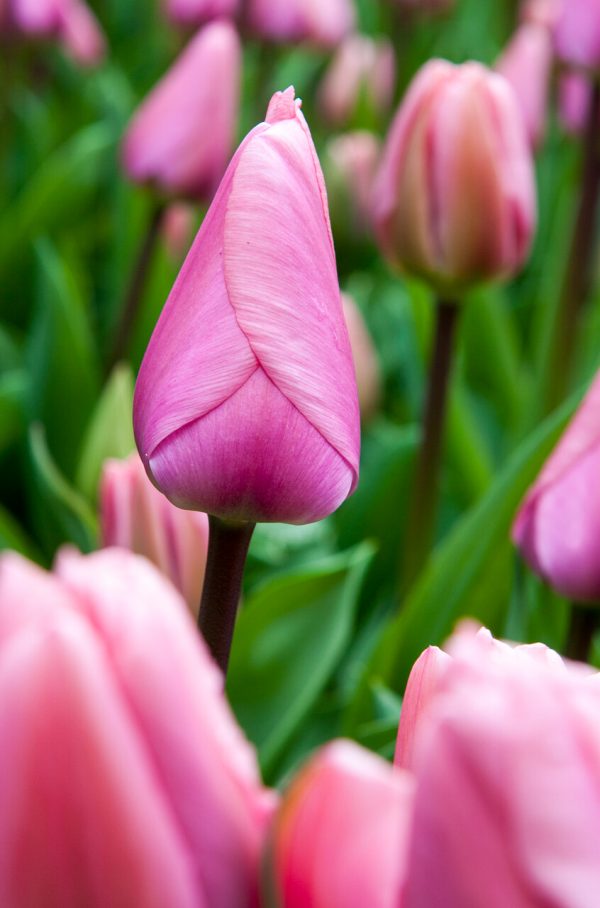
(124, 779)
(197, 12)
(340, 836)
(294, 21)
(135, 516)
(454, 200)
(70, 22)
(507, 772)
(558, 524)
(526, 64)
(577, 33)
(245, 405)
(359, 81)
(180, 138)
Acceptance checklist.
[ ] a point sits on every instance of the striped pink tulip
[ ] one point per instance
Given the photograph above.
(180, 138)
(340, 836)
(294, 21)
(246, 405)
(454, 199)
(135, 516)
(558, 524)
(123, 777)
(197, 12)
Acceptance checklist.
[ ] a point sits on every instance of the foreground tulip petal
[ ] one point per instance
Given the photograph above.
(246, 404)
(341, 833)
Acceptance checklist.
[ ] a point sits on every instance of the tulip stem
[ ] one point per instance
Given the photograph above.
(578, 274)
(422, 511)
(227, 549)
(135, 291)
(582, 627)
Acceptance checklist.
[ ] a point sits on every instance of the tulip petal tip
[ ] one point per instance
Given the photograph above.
(283, 106)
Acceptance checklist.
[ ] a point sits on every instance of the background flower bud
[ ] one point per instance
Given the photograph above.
(359, 81)
(350, 164)
(366, 363)
(197, 12)
(526, 64)
(577, 33)
(293, 21)
(341, 833)
(246, 405)
(71, 22)
(574, 100)
(114, 722)
(134, 515)
(557, 527)
(454, 199)
(180, 138)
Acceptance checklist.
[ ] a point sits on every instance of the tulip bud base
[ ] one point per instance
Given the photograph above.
(227, 549)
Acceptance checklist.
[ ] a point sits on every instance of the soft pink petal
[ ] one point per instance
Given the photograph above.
(423, 685)
(81, 34)
(302, 20)
(574, 99)
(174, 695)
(577, 32)
(526, 64)
(83, 821)
(197, 12)
(28, 595)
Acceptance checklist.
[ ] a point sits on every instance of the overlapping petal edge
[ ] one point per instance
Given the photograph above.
(260, 284)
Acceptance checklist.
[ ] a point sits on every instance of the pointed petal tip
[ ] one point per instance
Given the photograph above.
(283, 106)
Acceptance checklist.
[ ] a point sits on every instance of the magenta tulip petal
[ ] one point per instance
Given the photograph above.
(222, 822)
(246, 403)
(75, 829)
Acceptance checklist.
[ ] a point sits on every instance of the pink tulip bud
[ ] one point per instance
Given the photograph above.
(197, 12)
(454, 199)
(361, 75)
(69, 21)
(527, 64)
(180, 138)
(577, 33)
(558, 525)
(293, 21)
(341, 833)
(135, 516)
(366, 363)
(574, 101)
(507, 802)
(123, 776)
(246, 405)
(350, 164)
(178, 229)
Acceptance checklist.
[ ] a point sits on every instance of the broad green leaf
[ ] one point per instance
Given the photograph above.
(59, 513)
(62, 357)
(110, 431)
(13, 391)
(289, 638)
(469, 574)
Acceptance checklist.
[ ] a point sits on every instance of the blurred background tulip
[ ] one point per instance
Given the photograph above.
(197, 12)
(341, 833)
(350, 164)
(366, 364)
(70, 22)
(293, 21)
(577, 33)
(359, 81)
(526, 63)
(135, 516)
(181, 137)
(149, 792)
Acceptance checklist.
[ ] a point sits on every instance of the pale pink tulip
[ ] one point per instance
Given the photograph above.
(366, 363)
(526, 64)
(507, 769)
(361, 75)
(423, 684)
(350, 165)
(135, 516)
(558, 525)
(197, 12)
(246, 404)
(180, 138)
(124, 779)
(341, 833)
(70, 22)
(577, 33)
(454, 199)
(292, 21)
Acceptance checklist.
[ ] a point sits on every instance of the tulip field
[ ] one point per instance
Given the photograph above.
(300, 449)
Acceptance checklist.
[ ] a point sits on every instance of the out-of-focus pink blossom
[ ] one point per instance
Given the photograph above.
(574, 101)
(340, 836)
(197, 12)
(526, 64)
(359, 81)
(454, 199)
(181, 136)
(123, 776)
(558, 524)
(422, 686)
(541, 12)
(350, 164)
(294, 21)
(507, 771)
(178, 229)
(70, 22)
(577, 33)
(366, 363)
(246, 405)
(136, 516)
